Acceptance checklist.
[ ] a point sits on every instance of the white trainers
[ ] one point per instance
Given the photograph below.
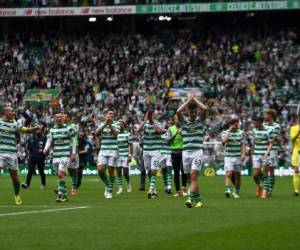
(105, 192)
(129, 188)
(43, 187)
(108, 195)
(120, 191)
(235, 195)
(177, 194)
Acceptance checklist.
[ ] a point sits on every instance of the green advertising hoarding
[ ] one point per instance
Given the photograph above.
(207, 170)
(218, 7)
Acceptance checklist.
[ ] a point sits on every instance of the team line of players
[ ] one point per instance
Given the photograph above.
(116, 149)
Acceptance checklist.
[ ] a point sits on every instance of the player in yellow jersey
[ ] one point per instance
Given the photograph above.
(295, 138)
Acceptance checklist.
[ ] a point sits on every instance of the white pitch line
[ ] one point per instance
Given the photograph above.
(16, 206)
(43, 211)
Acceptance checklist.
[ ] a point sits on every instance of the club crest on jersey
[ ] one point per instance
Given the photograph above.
(192, 129)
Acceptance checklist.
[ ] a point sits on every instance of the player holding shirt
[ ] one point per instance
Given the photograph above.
(151, 147)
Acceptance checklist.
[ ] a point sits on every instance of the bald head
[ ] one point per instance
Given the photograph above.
(8, 113)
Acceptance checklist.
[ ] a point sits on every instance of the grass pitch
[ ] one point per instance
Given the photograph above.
(132, 221)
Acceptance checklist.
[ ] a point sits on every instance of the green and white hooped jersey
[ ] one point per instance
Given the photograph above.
(109, 142)
(152, 139)
(275, 131)
(8, 131)
(233, 147)
(124, 140)
(62, 139)
(165, 148)
(261, 139)
(192, 134)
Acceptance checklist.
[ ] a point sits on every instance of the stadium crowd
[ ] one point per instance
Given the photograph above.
(240, 73)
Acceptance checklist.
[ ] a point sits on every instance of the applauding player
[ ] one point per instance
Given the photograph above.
(192, 132)
(233, 140)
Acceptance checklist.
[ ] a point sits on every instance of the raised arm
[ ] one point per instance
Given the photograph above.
(26, 130)
(141, 127)
(225, 138)
(200, 104)
(181, 108)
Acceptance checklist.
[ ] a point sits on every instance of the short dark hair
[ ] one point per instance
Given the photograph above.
(258, 118)
(57, 112)
(150, 111)
(271, 112)
(192, 105)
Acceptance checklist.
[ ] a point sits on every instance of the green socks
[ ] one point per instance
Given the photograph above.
(152, 183)
(103, 177)
(119, 179)
(267, 183)
(61, 187)
(165, 177)
(111, 183)
(195, 196)
(75, 180)
(169, 177)
(272, 182)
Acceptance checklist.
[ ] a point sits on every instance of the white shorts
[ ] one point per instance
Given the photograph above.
(192, 161)
(61, 164)
(9, 160)
(232, 164)
(151, 160)
(107, 160)
(74, 164)
(259, 162)
(274, 158)
(123, 162)
(165, 161)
